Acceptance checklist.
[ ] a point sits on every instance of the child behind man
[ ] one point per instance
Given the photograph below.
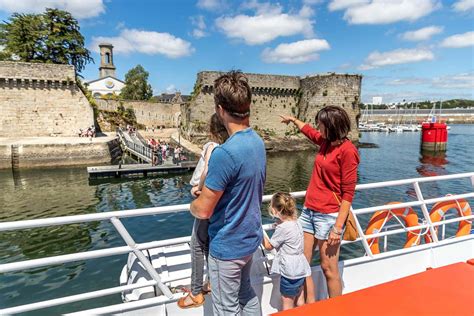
(287, 239)
(199, 238)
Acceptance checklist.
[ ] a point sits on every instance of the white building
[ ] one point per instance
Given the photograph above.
(376, 100)
(107, 84)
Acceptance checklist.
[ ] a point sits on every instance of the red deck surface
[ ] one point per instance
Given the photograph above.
(441, 291)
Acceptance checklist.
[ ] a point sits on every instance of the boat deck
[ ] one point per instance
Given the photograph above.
(441, 291)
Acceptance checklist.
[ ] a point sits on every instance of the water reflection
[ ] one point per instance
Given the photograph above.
(17, 180)
(432, 163)
(289, 171)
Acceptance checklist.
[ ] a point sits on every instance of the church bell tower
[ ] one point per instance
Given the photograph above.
(107, 67)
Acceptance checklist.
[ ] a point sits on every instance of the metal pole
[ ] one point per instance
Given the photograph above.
(148, 266)
(424, 209)
(368, 251)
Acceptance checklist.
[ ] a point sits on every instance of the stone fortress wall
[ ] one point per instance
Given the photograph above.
(150, 114)
(334, 89)
(273, 95)
(41, 100)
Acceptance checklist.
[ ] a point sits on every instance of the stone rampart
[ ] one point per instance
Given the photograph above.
(37, 71)
(41, 100)
(150, 114)
(332, 89)
(273, 95)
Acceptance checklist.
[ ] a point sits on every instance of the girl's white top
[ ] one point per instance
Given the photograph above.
(201, 164)
(289, 261)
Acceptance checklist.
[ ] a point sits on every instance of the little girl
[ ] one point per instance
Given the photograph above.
(287, 239)
(199, 238)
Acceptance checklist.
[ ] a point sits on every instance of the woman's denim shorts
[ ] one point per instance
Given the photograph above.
(289, 287)
(317, 223)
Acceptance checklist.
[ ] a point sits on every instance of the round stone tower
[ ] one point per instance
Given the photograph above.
(107, 67)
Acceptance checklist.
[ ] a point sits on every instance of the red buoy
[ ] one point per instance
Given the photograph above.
(434, 136)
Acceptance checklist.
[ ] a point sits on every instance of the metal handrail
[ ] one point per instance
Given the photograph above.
(136, 248)
(133, 146)
(140, 137)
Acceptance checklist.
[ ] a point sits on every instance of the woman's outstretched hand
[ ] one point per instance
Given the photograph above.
(287, 119)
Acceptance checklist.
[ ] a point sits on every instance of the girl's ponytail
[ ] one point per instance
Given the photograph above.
(284, 204)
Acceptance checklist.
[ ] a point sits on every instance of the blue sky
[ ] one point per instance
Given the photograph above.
(405, 49)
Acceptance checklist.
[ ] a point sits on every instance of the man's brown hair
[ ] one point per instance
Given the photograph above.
(336, 122)
(233, 93)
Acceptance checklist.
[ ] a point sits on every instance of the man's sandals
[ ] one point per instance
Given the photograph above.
(190, 300)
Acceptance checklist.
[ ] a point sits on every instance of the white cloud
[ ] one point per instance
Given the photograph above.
(265, 26)
(387, 11)
(395, 57)
(295, 53)
(197, 33)
(335, 5)
(147, 42)
(262, 7)
(311, 2)
(80, 9)
(422, 34)
(408, 81)
(344, 66)
(414, 96)
(459, 81)
(456, 82)
(463, 5)
(459, 40)
(200, 26)
(212, 5)
(306, 11)
(120, 25)
(171, 88)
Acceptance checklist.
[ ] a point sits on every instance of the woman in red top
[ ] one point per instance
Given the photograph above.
(329, 194)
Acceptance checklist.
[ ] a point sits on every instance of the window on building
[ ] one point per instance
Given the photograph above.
(107, 58)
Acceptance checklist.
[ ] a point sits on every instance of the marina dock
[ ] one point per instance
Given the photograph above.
(117, 171)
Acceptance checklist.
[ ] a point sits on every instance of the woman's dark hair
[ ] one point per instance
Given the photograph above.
(217, 129)
(233, 93)
(336, 121)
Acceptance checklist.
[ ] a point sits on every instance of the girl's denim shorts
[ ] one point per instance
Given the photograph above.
(290, 287)
(316, 223)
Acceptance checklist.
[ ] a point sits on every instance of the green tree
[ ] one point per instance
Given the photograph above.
(63, 41)
(21, 37)
(51, 37)
(136, 85)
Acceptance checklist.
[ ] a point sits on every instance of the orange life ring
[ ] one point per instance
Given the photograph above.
(439, 210)
(379, 219)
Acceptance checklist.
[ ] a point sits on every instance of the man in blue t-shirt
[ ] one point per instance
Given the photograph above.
(231, 199)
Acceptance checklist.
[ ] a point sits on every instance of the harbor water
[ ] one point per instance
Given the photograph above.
(40, 193)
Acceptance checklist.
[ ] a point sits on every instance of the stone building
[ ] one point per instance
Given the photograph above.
(107, 84)
(176, 97)
(41, 100)
(273, 95)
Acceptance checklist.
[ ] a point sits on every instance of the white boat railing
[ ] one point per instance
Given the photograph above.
(136, 248)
